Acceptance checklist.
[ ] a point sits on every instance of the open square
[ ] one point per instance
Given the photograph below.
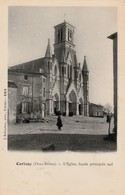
(78, 134)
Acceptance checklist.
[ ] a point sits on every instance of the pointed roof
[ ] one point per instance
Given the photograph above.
(48, 53)
(112, 36)
(64, 23)
(33, 65)
(85, 67)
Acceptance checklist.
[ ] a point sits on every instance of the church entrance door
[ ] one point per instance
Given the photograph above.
(80, 106)
(72, 103)
(80, 109)
(56, 103)
(70, 107)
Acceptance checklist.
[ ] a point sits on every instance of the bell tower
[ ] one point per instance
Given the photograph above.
(63, 47)
(64, 39)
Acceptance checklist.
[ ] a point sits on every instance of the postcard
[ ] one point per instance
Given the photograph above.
(62, 102)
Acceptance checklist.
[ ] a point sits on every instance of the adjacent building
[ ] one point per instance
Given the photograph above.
(95, 110)
(27, 94)
(12, 101)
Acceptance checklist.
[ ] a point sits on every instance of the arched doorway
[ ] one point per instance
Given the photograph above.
(72, 103)
(56, 103)
(80, 106)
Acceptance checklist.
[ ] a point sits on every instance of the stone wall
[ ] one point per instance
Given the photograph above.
(31, 93)
(12, 102)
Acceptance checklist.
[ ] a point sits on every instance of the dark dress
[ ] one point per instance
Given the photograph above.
(108, 118)
(59, 122)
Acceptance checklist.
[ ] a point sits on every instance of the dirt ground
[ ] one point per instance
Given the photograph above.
(71, 125)
(78, 133)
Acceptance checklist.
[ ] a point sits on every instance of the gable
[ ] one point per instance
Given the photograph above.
(56, 90)
(72, 87)
(69, 58)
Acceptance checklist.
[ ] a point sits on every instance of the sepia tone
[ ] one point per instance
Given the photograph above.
(56, 85)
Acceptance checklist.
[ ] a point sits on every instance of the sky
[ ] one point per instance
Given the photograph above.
(30, 27)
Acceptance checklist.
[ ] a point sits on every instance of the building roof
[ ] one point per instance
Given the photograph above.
(64, 23)
(85, 66)
(97, 105)
(31, 66)
(11, 84)
(22, 71)
(48, 53)
(113, 36)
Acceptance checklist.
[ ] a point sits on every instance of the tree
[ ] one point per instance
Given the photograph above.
(108, 108)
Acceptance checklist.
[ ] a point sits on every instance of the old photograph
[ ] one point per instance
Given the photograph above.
(62, 79)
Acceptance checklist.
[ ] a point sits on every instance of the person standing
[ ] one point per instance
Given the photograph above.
(59, 122)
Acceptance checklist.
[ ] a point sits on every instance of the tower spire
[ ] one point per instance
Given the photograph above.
(85, 67)
(48, 53)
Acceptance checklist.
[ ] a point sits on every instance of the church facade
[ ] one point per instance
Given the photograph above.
(67, 84)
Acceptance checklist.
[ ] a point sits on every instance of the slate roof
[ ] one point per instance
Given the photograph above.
(24, 72)
(95, 105)
(33, 65)
(64, 23)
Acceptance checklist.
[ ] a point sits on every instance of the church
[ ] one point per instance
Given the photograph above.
(67, 82)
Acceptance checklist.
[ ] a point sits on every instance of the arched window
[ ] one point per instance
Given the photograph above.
(61, 34)
(80, 77)
(62, 70)
(68, 71)
(55, 71)
(65, 70)
(69, 35)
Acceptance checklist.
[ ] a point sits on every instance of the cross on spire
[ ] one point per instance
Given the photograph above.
(64, 17)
